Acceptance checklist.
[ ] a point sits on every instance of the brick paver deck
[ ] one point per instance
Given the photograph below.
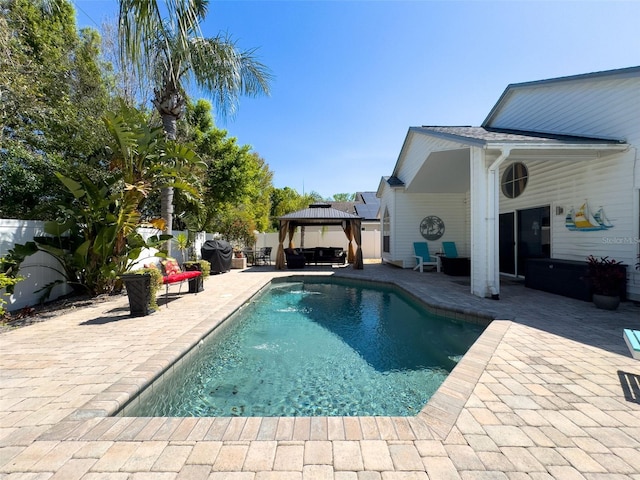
(548, 391)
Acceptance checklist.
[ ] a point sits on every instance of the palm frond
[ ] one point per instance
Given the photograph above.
(220, 68)
(142, 25)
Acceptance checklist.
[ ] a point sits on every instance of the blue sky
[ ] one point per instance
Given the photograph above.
(352, 76)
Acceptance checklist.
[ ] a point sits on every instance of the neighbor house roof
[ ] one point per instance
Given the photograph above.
(366, 206)
(367, 211)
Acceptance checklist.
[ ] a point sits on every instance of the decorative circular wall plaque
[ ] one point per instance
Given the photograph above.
(432, 227)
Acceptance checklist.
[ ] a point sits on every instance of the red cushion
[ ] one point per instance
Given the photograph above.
(171, 266)
(178, 277)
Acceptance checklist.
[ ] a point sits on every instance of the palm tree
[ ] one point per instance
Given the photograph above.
(173, 55)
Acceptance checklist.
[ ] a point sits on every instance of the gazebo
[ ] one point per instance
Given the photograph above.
(321, 214)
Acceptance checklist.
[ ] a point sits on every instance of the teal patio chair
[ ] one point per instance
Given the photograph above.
(449, 249)
(423, 258)
(632, 339)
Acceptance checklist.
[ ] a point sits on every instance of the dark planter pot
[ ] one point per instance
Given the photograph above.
(139, 294)
(195, 284)
(606, 302)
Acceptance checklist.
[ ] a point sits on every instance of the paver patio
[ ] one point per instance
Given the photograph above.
(549, 391)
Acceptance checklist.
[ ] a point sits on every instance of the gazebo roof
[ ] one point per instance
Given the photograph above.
(319, 214)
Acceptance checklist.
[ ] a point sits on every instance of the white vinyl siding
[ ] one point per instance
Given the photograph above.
(603, 182)
(387, 203)
(409, 212)
(416, 151)
(598, 107)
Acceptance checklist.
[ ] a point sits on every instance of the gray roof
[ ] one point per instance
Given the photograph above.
(367, 211)
(394, 181)
(485, 135)
(369, 197)
(319, 214)
(366, 206)
(344, 206)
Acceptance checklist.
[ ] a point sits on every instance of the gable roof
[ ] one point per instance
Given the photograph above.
(618, 73)
(391, 181)
(485, 136)
(319, 214)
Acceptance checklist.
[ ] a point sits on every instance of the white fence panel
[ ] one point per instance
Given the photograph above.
(38, 270)
(42, 269)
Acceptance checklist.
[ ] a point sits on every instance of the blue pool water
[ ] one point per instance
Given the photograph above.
(315, 349)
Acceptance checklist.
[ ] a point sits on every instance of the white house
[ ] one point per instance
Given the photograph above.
(553, 171)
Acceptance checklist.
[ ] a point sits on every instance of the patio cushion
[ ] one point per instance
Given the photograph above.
(179, 277)
(171, 266)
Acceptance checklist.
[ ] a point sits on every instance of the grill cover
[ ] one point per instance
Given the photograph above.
(219, 254)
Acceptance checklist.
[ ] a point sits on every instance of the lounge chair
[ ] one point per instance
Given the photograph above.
(451, 263)
(423, 258)
(450, 250)
(632, 339)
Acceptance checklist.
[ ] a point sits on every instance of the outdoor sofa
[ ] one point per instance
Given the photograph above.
(324, 255)
(298, 258)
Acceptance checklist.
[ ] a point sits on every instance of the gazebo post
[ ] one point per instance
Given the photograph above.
(321, 214)
(358, 264)
(282, 235)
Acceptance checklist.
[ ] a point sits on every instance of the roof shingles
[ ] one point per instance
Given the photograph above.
(486, 135)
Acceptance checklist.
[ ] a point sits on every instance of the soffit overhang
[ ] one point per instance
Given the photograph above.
(448, 170)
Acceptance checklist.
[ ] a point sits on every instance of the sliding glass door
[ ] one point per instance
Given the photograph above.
(524, 234)
(534, 235)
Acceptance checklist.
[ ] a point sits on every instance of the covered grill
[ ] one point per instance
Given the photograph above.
(219, 254)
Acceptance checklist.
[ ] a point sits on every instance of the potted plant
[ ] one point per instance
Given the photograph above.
(182, 242)
(607, 279)
(142, 287)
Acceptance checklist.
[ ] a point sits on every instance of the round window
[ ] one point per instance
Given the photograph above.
(514, 180)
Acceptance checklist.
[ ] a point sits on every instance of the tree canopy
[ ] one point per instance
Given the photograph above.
(56, 89)
(236, 184)
(52, 98)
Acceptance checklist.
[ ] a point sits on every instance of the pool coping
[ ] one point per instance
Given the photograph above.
(434, 421)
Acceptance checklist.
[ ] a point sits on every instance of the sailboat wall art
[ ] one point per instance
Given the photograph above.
(585, 221)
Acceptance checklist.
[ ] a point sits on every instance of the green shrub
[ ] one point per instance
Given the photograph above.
(205, 266)
(8, 283)
(156, 284)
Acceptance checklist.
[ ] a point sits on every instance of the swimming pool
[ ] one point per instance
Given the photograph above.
(329, 348)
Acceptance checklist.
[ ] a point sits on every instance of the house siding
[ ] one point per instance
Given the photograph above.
(408, 213)
(604, 182)
(387, 202)
(416, 151)
(602, 105)
(599, 107)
